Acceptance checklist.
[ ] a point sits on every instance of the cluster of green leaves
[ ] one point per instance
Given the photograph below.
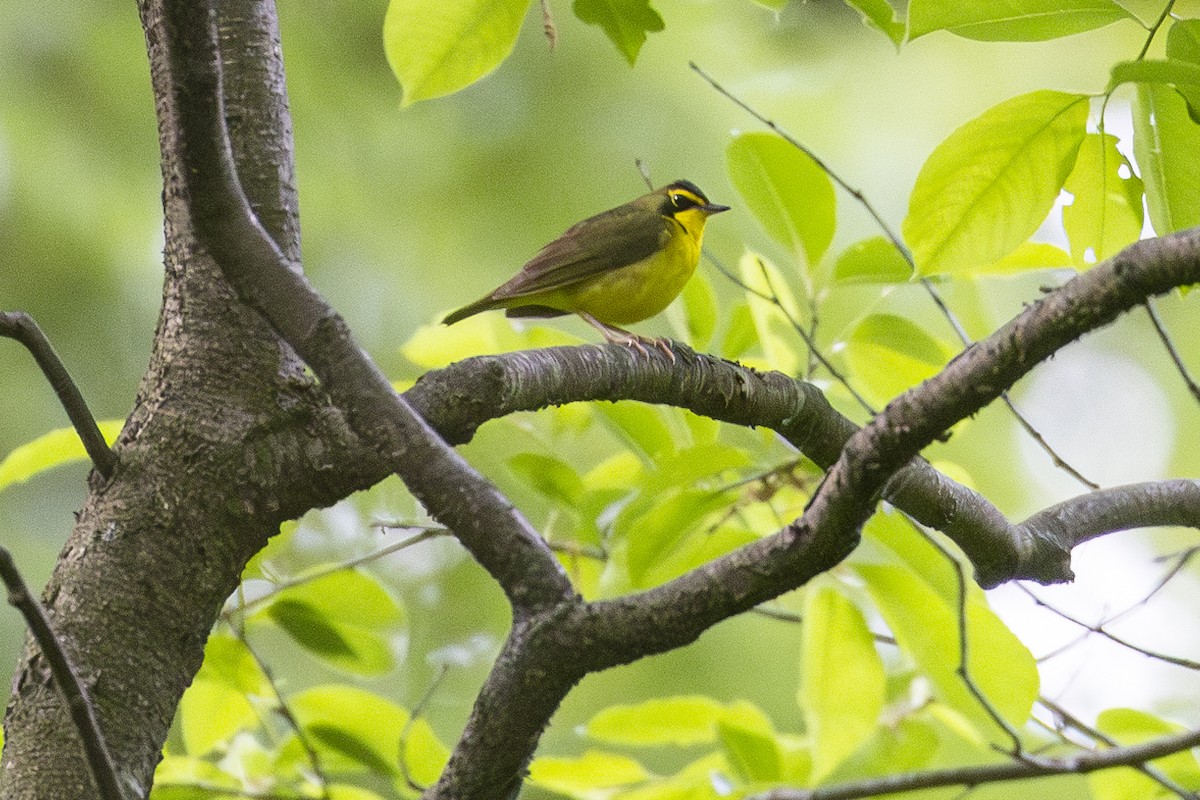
(237, 731)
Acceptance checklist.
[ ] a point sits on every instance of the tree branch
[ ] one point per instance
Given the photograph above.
(972, 776)
(79, 701)
(495, 534)
(21, 327)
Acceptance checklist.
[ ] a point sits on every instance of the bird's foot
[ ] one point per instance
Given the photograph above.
(615, 335)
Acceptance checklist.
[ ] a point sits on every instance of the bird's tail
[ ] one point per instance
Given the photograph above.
(471, 309)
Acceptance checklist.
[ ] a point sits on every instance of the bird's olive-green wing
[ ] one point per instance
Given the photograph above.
(599, 244)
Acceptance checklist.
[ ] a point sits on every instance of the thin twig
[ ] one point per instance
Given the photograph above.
(21, 327)
(418, 709)
(285, 711)
(1172, 351)
(1099, 629)
(963, 669)
(858, 196)
(428, 533)
(783, 615)
(1031, 431)
(972, 776)
(79, 702)
(1150, 771)
(548, 26)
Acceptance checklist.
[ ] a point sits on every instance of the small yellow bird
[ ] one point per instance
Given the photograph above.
(624, 265)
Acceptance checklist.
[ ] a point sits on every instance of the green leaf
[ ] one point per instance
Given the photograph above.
(991, 183)
(1183, 41)
(887, 355)
(842, 692)
(190, 778)
(358, 732)
(625, 22)
(436, 48)
(1129, 727)
(1013, 20)
(53, 449)
(873, 260)
(925, 625)
(1029, 256)
(654, 535)
(740, 336)
(642, 426)
(681, 721)
(549, 476)
(774, 331)
(578, 777)
(789, 195)
(1165, 143)
(699, 311)
(1106, 214)
(1183, 75)
(880, 15)
(346, 618)
(217, 705)
(906, 747)
(751, 750)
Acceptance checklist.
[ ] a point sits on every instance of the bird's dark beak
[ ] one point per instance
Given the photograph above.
(713, 208)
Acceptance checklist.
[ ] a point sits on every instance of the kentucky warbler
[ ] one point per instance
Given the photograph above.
(624, 265)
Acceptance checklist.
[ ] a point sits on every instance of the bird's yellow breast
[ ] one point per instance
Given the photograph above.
(644, 288)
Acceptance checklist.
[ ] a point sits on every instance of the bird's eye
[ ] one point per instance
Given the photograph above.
(682, 202)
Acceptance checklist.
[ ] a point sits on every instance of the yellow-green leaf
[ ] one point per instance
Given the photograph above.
(580, 776)
(436, 48)
(681, 721)
(625, 22)
(887, 355)
(925, 625)
(775, 332)
(53, 449)
(1165, 143)
(1106, 214)
(789, 195)
(991, 183)
(1013, 20)
(880, 15)
(873, 260)
(1029, 256)
(842, 689)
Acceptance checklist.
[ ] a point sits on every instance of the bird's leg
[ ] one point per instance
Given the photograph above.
(615, 335)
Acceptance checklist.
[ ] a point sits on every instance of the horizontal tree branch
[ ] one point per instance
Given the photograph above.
(1017, 770)
(20, 326)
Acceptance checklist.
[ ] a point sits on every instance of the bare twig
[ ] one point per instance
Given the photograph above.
(21, 327)
(1031, 431)
(963, 670)
(285, 711)
(1172, 351)
(1099, 629)
(1079, 764)
(413, 716)
(548, 27)
(1153, 773)
(74, 690)
(425, 535)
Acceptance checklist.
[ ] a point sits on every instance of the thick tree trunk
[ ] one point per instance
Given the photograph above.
(227, 438)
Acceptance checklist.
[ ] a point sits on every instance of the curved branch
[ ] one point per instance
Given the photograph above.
(20, 326)
(1119, 508)
(496, 535)
(1094, 761)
